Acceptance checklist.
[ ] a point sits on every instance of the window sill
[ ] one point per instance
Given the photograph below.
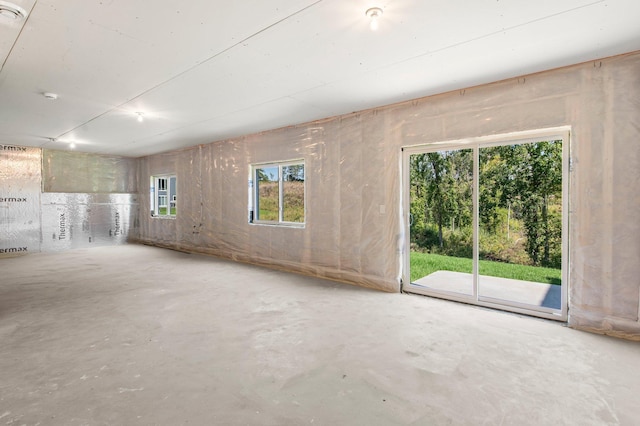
(279, 224)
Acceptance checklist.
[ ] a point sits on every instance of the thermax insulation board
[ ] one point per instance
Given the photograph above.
(20, 177)
(85, 220)
(87, 210)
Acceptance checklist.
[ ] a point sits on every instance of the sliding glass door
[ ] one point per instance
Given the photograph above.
(487, 221)
(441, 216)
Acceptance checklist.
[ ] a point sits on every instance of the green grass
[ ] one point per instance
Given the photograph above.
(293, 202)
(266, 214)
(423, 264)
(162, 211)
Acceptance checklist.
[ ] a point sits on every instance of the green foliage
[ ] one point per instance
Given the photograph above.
(532, 181)
(492, 175)
(268, 201)
(293, 201)
(441, 194)
(520, 203)
(458, 242)
(498, 247)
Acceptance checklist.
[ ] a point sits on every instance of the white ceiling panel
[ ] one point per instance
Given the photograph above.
(10, 28)
(202, 71)
(273, 114)
(561, 38)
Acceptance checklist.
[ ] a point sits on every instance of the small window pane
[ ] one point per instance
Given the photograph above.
(172, 196)
(162, 184)
(163, 196)
(268, 198)
(293, 193)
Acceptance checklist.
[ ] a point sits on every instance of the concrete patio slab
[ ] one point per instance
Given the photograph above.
(527, 292)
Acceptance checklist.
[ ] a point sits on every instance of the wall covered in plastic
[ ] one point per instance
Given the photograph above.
(33, 221)
(353, 229)
(78, 172)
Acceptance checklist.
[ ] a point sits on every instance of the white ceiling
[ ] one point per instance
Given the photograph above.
(207, 70)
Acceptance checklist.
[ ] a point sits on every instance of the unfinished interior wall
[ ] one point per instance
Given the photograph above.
(20, 178)
(342, 226)
(88, 200)
(353, 229)
(57, 200)
(79, 172)
(86, 220)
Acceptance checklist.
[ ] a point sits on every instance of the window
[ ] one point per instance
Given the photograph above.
(163, 189)
(278, 193)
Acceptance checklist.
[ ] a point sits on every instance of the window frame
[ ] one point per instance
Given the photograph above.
(169, 196)
(254, 202)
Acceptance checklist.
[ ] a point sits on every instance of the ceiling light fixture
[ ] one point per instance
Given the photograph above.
(51, 96)
(374, 14)
(140, 116)
(11, 11)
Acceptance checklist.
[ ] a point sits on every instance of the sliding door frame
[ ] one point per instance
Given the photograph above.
(556, 133)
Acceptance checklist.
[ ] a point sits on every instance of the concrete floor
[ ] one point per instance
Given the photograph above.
(139, 335)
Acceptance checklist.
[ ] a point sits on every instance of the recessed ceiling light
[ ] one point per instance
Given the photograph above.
(11, 11)
(140, 116)
(51, 96)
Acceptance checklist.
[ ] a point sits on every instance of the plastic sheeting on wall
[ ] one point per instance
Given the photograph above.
(350, 215)
(19, 200)
(354, 227)
(79, 172)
